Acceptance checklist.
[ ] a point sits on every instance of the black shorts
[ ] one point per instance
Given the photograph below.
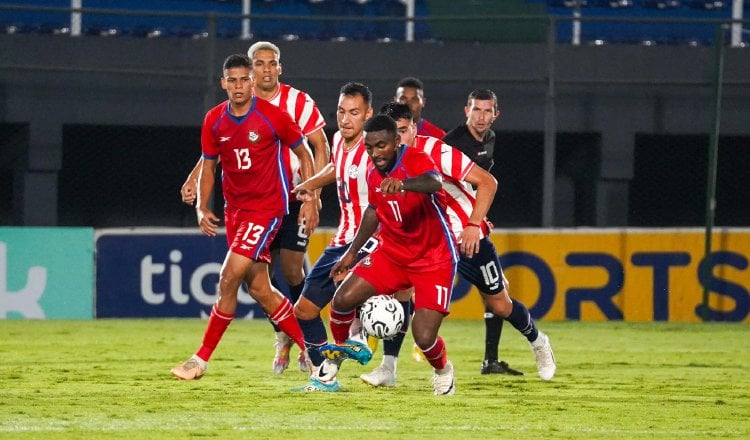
(291, 235)
(483, 269)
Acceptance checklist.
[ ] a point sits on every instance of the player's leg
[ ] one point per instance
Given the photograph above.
(515, 312)
(288, 252)
(232, 273)
(274, 303)
(350, 339)
(432, 295)
(384, 375)
(483, 271)
(292, 243)
(316, 294)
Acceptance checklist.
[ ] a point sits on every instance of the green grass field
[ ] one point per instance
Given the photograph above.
(110, 379)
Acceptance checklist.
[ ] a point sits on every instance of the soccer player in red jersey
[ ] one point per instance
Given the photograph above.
(290, 244)
(416, 249)
(467, 208)
(410, 91)
(248, 134)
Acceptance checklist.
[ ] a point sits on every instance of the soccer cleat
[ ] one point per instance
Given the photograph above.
(326, 372)
(350, 349)
(498, 367)
(281, 361)
(545, 359)
(188, 370)
(318, 386)
(417, 354)
(444, 383)
(380, 377)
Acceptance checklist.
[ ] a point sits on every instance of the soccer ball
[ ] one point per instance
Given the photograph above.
(382, 316)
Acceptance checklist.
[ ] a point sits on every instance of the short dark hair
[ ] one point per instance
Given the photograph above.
(354, 89)
(397, 111)
(381, 122)
(483, 95)
(411, 81)
(236, 60)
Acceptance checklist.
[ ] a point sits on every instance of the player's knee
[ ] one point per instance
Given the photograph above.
(306, 309)
(500, 304)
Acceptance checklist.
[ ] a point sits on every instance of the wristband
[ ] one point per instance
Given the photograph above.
(473, 224)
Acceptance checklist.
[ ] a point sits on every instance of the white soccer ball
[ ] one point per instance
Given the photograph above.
(382, 316)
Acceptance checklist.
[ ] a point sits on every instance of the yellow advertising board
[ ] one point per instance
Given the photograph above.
(615, 274)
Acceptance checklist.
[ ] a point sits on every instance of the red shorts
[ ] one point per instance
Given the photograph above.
(250, 233)
(432, 287)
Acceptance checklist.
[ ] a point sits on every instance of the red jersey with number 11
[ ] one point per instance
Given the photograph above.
(414, 230)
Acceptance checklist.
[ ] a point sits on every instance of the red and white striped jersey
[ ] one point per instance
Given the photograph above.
(455, 166)
(304, 112)
(351, 183)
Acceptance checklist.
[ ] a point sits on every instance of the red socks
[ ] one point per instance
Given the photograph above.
(284, 317)
(340, 323)
(217, 325)
(437, 355)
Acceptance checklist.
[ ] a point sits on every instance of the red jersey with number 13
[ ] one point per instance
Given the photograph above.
(414, 230)
(254, 176)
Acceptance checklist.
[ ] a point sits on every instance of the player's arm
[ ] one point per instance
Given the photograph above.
(309, 210)
(321, 149)
(321, 152)
(307, 189)
(486, 186)
(367, 226)
(427, 183)
(207, 221)
(190, 187)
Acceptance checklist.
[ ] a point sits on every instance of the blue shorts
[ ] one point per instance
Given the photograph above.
(483, 269)
(319, 286)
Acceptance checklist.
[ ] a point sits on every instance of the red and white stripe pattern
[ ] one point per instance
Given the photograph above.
(455, 166)
(351, 182)
(304, 112)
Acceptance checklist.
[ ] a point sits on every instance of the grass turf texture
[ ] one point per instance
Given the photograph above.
(110, 379)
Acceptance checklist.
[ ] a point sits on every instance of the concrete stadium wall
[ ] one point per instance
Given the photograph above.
(618, 91)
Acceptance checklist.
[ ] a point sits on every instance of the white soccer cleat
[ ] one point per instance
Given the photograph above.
(327, 371)
(443, 382)
(545, 359)
(281, 361)
(380, 377)
(189, 370)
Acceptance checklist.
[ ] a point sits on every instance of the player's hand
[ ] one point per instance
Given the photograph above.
(309, 216)
(391, 185)
(189, 191)
(469, 241)
(341, 268)
(207, 222)
(303, 193)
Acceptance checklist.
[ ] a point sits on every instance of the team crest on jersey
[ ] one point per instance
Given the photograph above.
(366, 261)
(353, 171)
(253, 136)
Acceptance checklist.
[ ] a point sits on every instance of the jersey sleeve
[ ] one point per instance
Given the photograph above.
(310, 120)
(451, 161)
(209, 143)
